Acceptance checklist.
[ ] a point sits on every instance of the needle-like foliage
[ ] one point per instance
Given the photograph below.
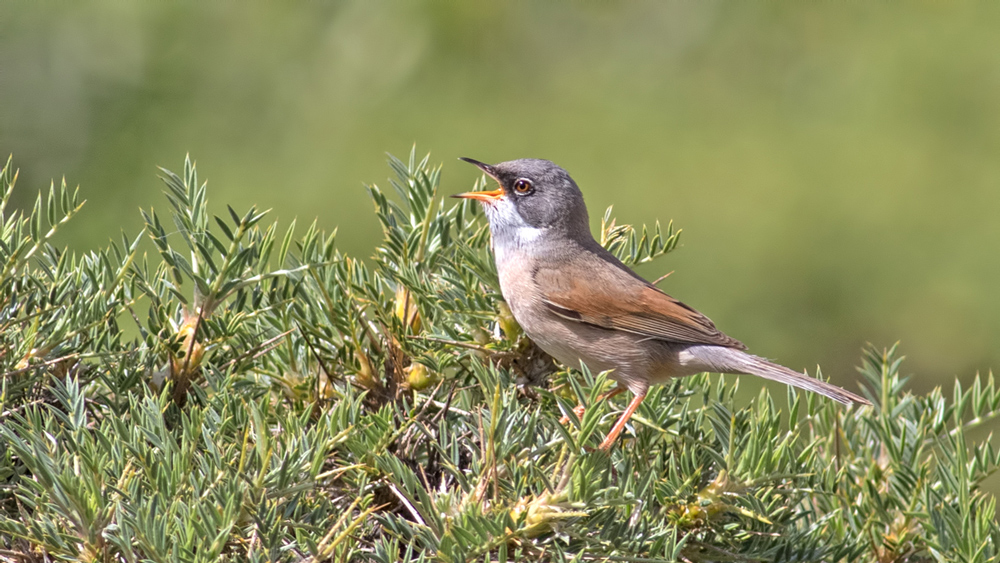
(248, 393)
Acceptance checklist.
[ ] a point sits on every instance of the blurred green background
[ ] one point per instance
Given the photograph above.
(834, 166)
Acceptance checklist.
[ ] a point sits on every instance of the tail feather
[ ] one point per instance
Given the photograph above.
(768, 370)
(729, 360)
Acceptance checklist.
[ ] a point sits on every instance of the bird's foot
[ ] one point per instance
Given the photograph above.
(578, 410)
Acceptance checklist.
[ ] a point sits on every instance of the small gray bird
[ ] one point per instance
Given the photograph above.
(579, 303)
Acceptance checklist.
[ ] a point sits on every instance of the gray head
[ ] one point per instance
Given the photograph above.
(534, 196)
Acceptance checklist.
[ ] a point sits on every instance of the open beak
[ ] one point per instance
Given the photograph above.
(484, 195)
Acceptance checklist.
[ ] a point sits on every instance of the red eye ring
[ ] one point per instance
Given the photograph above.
(523, 187)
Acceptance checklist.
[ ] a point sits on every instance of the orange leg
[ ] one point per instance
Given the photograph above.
(579, 408)
(620, 425)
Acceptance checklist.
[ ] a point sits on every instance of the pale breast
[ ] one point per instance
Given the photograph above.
(569, 342)
(522, 295)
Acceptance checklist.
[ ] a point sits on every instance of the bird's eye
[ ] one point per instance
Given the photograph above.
(523, 187)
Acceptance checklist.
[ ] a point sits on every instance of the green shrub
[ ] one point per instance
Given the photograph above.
(249, 393)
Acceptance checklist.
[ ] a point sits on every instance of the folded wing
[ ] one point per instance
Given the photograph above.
(617, 299)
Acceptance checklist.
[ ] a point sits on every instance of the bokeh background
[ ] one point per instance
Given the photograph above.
(835, 166)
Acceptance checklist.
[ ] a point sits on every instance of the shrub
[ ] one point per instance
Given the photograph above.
(250, 393)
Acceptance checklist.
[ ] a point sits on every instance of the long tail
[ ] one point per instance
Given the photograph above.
(729, 360)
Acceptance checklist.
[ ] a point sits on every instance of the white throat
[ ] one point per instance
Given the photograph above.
(511, 235)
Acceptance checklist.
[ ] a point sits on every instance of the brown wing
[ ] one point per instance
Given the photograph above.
(617, 299)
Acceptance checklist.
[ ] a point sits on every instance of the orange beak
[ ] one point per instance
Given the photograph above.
(482, 196)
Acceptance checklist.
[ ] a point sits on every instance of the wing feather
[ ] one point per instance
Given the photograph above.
(619, 300)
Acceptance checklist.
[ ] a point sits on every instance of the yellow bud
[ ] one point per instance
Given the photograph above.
(406, 309)
(182, 365)
(565, 391)
(365, 377)
(326, 389)
(419, 378)
(541, 514)
(508, 324)
(480, 336)
(708, 504)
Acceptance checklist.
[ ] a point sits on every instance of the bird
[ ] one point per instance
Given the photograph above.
(579, 303)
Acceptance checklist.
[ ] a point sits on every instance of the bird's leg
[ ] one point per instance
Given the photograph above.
(616, 391)
(620, 425)
(579, 409)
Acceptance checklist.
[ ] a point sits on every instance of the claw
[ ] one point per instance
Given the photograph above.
(579, 410)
